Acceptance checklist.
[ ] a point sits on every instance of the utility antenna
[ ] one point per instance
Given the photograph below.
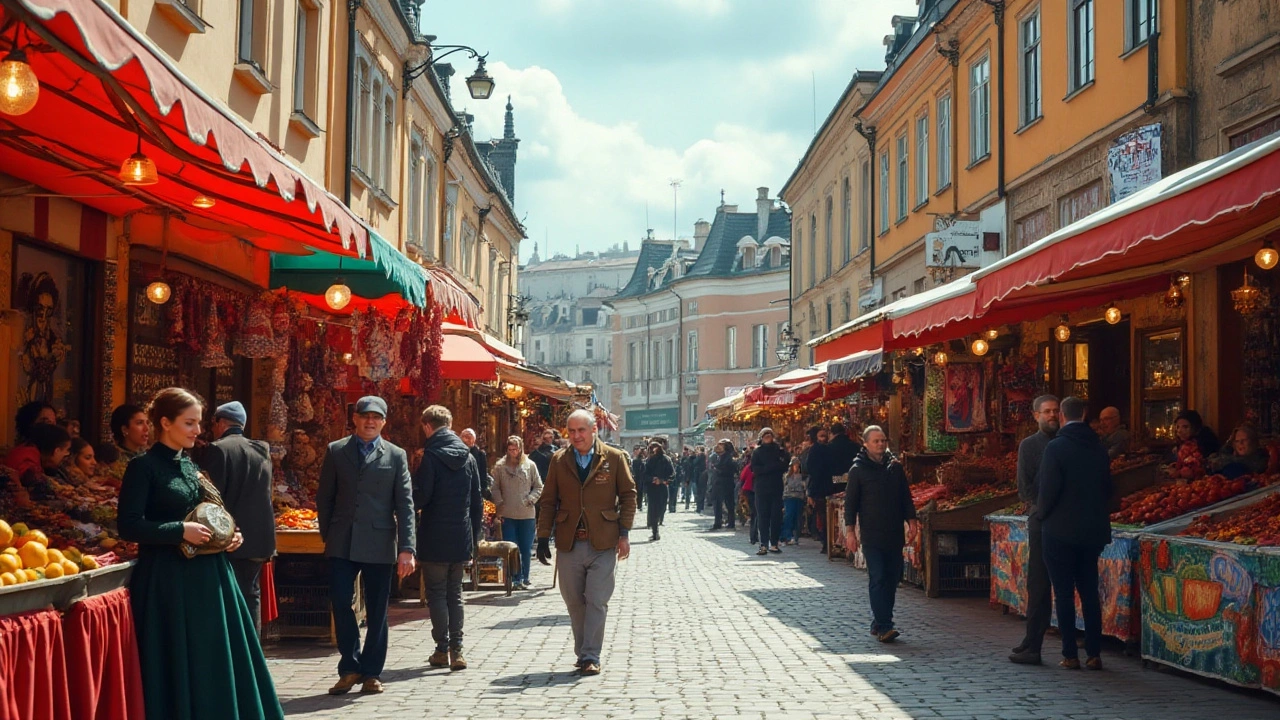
(675, 207)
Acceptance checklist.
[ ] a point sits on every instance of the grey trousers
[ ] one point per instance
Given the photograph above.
(444, 602)
(586, 584)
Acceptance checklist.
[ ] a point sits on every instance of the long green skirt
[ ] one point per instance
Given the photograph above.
(199, 652)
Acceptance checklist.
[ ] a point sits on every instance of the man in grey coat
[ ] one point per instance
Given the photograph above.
(365, 509)
(241, 470)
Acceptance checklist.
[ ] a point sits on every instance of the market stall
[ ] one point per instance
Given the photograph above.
(1211, 591)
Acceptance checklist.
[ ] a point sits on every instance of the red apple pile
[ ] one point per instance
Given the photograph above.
(1163, 502)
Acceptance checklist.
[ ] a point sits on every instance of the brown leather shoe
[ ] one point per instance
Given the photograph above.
(372, 686)
(345, 683)
(456, 661)
(1093, 663)
(590, 668)
(1070, 663)
(439, 658)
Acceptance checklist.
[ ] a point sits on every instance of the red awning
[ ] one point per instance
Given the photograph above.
(460, 305)
(1205, 209)
(871, 337)
(462, 358)
(103, 85)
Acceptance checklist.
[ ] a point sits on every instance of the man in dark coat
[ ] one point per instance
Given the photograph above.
(722, 465)
(468, 438)
(638, 459)
(1075, 492)
(658, 475)
(768, 465)
(364, 505)
(542, 455)
(698, 466)
(878, 498)
(241, 470)
(1039, 591)
(446, 491)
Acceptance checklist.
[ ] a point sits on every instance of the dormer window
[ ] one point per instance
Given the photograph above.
(748, 257)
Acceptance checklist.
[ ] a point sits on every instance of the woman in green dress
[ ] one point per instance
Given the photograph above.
(199, 653)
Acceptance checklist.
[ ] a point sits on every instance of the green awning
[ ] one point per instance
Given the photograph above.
(387, 272)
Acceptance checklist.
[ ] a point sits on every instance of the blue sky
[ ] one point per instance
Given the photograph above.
(615, 98)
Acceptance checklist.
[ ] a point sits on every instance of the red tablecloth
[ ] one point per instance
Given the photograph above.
(33, 670)
(102, 659)
(267, 585)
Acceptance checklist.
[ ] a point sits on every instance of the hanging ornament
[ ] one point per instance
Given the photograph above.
(19, 87)
(1249, 298)
(338, 295)
(1173, 297)
(215, 342)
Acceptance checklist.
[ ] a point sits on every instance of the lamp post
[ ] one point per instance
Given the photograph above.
(480, 84)
(788, 346)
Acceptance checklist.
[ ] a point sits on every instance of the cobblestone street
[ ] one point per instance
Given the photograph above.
(700, 627)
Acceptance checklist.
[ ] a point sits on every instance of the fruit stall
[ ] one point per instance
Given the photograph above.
(1210, 589)
(1117, 579)
(301, 578)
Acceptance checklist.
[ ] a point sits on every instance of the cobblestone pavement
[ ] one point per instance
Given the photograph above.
(700, 627)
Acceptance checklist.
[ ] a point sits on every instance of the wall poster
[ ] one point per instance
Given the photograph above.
(966, 393)
(49, 290)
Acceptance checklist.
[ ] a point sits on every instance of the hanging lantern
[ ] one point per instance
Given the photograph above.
(512, 391)
(940, 358)
(1173, 297)
(337, 296)
(979, 347)
(19, 88)
(1267, 256)
(1062, 333)
(138, 169)
(159, 292)
(991, 334)
(1113, 315)
(1249, 298)
(203, 202)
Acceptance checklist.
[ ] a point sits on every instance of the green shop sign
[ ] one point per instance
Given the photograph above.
(664, 419)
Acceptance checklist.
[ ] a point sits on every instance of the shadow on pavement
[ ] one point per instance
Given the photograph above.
(531, 622)
(520, 683)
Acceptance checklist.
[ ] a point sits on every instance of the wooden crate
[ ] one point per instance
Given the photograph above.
(299, 542)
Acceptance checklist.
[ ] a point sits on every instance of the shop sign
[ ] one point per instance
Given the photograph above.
(661, 419)
(1133, 161)
(957, 246)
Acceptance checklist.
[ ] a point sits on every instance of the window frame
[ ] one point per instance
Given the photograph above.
(759, 345)
(413, 223)
(731, 347)
(1030, 68)
(251, 31)
(691, 349)
(884, 192)
(943, 145)
(386, 182)
(903, 186)
(846, 212)
(980, 109)
(827, 237)
(1133, 25)
(867, 226)
(813, 246)
(922, 159)
(1079, 45)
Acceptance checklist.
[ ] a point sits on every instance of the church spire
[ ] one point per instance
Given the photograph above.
(509, 126)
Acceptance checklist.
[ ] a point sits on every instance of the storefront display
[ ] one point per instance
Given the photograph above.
(1163, 393)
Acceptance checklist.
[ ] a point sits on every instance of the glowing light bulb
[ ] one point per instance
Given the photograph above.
(337, 296)
(159, 292)
(1062, 333)
(1113, 315)
(19, 88)
(979, 347)
(940, 359)
(1266, 257)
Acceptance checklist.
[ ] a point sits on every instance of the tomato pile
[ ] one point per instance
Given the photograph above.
(922, 493)
(1163, 502)
(297, 519)
(1189, 463)
(1258, 524)
(1132, 460)
(976, 494)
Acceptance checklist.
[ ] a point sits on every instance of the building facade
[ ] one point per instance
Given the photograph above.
(693, 325)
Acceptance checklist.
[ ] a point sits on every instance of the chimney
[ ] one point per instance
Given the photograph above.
(764, 206)
(701, 230)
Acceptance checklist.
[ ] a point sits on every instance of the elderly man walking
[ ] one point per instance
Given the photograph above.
(365, 507)
(446, 491)
(241, 470)
(1039, 589)
(591, 497)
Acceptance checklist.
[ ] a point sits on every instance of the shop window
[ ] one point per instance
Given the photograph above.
(1162, 382)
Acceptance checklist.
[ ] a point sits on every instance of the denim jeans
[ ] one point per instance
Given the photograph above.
(1074, 568)
(884, 572)
(521, 533)
(376, 578)
(444, 601)
(792, 508)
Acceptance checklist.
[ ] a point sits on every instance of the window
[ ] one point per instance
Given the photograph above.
(846, 217)
(691, 362)
(813, 249)
(826, 271)
(944, 142)
(1029, 74)
(306, 48)
(864, 208)
(450, 220)
(428, 203)
(1080, 204)
(759, 343)
(251, 33)
(590, 352)
(748, 257)
(693, 413)
(731, 347)
(830, 316)
(1139, 21)
(903, 180)
(361, 119)
(633, 361)
(884, 192)
(1080, 45)
(980, 110)
(846, 307)
(918, 286)
(797, 267)
(375, 131)
(922, 159)
(1029, 229)
(388, 138)
(468, 249)
(586, 376)
(537, 350)
(415, 190)
(673, 360)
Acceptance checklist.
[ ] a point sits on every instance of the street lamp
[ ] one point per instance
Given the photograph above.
(788, 346)
(480, 84)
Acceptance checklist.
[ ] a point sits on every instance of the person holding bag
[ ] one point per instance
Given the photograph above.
(197, 647)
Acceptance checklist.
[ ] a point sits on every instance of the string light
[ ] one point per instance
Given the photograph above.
(1063, 332)
(991, 334)
(940, 359)
(1266, 257)
(159, 292)
(138, 169)
(203, 201)
(979, 347)
(19, 88)
(337, 296)
(1113, 315)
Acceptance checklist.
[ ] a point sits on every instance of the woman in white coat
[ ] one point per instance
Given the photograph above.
(516, 489)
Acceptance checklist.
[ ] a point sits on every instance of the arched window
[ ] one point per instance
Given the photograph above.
(846, 210)
(826, 272)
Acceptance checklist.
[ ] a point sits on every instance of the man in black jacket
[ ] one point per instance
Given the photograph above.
(723, 467)
(878, 499)
(542, 455)
(468, 438)
(241, 470)
(638, 459)
(698, 467)
(658, 474)
(768, 465)
(1039, 591)
(1075, 491)
(446, 490)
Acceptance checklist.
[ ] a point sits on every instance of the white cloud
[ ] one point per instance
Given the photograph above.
(586, 183)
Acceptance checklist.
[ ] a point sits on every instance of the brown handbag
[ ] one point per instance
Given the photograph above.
(212, 514)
